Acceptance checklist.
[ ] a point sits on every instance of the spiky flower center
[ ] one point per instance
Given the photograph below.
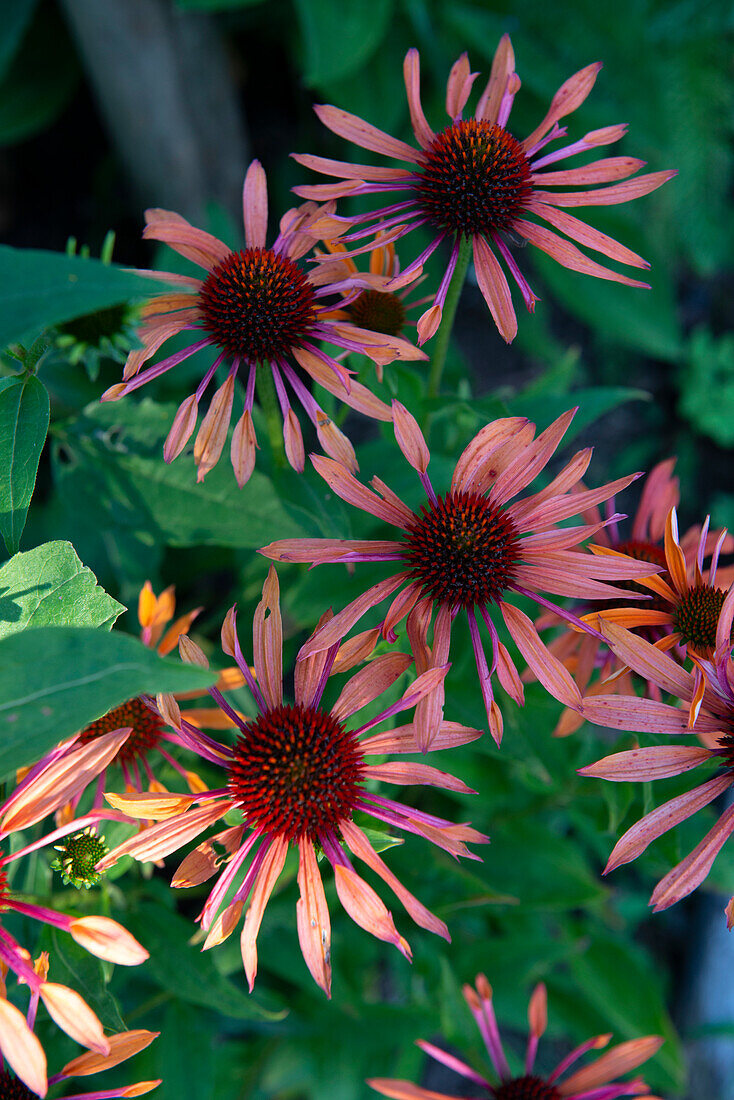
(378, 311)
(146, 729)
(641, 550)
(296, 772)
(526, 1088)
(474, 177)
(697, 616)
(257, 305)
(78, 855)
(12, 1088)
(463, 550)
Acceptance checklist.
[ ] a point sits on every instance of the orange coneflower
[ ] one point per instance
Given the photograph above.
(707, 696)
(688, 605)
(258, 310)
(298, 774)
(598, 1080)
(126, 736)
(473, 549)
(475, 182)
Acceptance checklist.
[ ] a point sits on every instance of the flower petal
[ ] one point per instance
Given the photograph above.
(495, 289)
(74, 1016)
(267, 876)
(312, 916)
(255, 206)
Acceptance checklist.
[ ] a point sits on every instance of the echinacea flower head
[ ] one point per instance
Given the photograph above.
(259, 311)
(132, 736)
(373, 299)
(25, 1074)
(706, 709)
(689, 602)
(298, 774)
(474, 181)
(597, 1080)
(584, 655)
(474, 549)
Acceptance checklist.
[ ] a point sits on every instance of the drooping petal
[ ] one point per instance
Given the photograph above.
(267, 876)
(74, 1016)
(495, 289)
(267, 638)
(312, 916)
(691, 871)
(21, 1049)
(665, 817)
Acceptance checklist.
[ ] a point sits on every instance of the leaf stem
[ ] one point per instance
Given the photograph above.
(438, 359)
(266, 395)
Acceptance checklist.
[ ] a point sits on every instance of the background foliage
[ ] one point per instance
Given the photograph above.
(653, 373)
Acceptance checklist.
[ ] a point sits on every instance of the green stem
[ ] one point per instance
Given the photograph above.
(441, 347)
(266, 395)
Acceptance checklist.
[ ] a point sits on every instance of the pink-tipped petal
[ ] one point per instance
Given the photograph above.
(267, 639)
(495, 290)
(620, 1059)
(424, 135)
(503, 66)
(182, 428)
(567, 99)
(265, 880)
(21, 1049)
(363, 134)
(312, 916)
(108, 940)
(366, 909)
(665, 817)
(691, 871)
(244, 445)
(554, 677)
(255, 206)
(410, 438)
(212, 434)
(370, 682)
(74, 1016)
(568, 255)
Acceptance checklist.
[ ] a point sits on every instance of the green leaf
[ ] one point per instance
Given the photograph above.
(71, 965)
(24, 415)
(622, 985)
(593, 403)
(707, 386)
(185, 970)
(339, 38)
(39, 289)
(49, 586)
(57, 679)
(110, 465)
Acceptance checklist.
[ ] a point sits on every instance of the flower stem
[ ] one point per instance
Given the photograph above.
(438, 359)
(266, 395)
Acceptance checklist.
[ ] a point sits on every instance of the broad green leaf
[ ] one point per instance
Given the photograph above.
(339, 37)
(71, 965)
(114, 470)
(24, 415)
(39, 289)
(49, 586)
(186, 971)
(57, 679)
